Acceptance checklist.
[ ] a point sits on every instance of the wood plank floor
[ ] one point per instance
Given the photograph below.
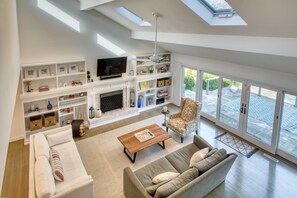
(254, 177)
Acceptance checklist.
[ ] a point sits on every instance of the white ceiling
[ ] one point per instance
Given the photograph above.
(271, 30)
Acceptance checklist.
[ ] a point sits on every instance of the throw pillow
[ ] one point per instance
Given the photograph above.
(198, 156)
(189, 110)
(211, 152)
(44, 180)
(57, 167)
(59, 138)
(176, 183)
(164, 177)
(211, 161)
(41, 146)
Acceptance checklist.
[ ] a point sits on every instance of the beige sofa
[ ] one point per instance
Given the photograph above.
(137, 183)
(77, 183)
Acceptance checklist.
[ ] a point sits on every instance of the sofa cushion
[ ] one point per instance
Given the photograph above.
(152, 189)
(164, 177)
(189, 110)
(148, 172)
(44, 180)
(59, 138)
(176, 183)
(210, 153)
(180, 159)
(72, 164)
(57, 166)
(41, 146)
(198, 156)
(211, 161)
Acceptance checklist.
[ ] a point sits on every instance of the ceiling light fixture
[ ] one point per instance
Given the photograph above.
(155, 58)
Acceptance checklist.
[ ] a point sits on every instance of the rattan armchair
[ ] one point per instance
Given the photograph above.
(187, 120)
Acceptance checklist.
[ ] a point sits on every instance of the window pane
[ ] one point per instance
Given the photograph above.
(218, 5)
(190, 83)
(288, 129)
(210, 88)
(230, 102)
(261, 113)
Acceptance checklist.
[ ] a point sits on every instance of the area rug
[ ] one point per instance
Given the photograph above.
(104, 159)
(239, 145)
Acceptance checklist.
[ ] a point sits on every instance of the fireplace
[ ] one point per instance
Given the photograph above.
(110, 101)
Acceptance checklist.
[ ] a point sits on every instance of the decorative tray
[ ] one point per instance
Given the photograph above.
(144, 135)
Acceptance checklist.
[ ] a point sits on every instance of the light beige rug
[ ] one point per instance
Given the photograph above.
(105, 160)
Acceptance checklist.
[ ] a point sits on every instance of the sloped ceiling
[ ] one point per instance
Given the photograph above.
(272, 22)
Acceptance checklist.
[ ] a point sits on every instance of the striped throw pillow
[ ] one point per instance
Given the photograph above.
(56, 164)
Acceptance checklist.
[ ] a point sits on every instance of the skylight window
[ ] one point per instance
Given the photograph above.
(59, 14)
(109, 45)
(215, 12)
(218, 6)
(132, 17)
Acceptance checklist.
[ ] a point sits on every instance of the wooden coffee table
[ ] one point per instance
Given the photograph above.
(133, 145)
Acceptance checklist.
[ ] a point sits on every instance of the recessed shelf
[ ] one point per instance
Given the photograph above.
(39, 78)
(44, 111)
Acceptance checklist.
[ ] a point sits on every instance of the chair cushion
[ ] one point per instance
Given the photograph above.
(198, 156)
(177, 124)
(164, 177)
(211, 161)
(152, 189)
(176, 183)
(180, 159)
(189, 110)
(148, 172)
(210, 153)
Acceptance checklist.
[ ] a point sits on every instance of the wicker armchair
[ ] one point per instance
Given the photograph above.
(187, 120)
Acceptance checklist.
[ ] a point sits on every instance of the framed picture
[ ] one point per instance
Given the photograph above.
(43, 71)
(30, 73)
(73, 68)
(62, 69)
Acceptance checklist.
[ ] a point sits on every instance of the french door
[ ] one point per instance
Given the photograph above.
(261, 116)
(248, 110)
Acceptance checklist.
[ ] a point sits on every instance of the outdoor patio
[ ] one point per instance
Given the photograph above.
(260, 116)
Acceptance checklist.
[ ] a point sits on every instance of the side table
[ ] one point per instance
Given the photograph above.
(165, 114)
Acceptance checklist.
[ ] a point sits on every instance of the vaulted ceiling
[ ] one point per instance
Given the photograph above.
(271, 29)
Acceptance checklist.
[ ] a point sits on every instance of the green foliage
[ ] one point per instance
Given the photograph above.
(189, 82)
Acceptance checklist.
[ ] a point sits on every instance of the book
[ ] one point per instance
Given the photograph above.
(144, 135)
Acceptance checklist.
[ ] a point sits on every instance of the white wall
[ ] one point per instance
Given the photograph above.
(279, 80)
(9, 74)
(44, 38)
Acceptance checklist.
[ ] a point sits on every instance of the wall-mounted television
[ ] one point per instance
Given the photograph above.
(111, 67)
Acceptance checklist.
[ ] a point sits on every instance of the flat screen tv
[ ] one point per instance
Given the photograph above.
(111, 67)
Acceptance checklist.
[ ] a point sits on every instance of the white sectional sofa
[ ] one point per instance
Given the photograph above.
(77, 183)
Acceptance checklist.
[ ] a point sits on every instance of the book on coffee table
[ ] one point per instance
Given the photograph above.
(144, 135)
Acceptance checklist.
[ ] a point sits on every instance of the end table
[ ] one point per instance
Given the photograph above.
(165, 114)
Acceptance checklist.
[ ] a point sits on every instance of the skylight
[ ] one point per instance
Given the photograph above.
(59, 14)
(218, 6)
(109, 45)
(215, 12)
(132, 17)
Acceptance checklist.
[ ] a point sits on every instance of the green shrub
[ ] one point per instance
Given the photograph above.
(189, 82)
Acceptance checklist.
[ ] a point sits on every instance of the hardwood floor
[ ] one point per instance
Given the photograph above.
(257, 176)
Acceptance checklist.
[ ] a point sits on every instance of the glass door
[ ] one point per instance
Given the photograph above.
(261, 117)
(210, 91)
(287, 144)
(230, 105)
(190, 83)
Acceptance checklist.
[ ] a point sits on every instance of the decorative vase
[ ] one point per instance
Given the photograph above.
(98, 113)
(139, 102)
(49, 105)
